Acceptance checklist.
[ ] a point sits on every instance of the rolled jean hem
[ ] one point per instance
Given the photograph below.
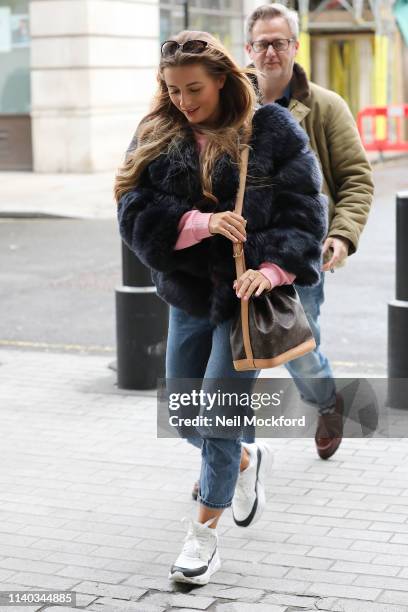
(211, 505)
(320, 407)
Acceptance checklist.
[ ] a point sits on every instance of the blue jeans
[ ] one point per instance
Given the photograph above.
(312, 373)
(199, 350)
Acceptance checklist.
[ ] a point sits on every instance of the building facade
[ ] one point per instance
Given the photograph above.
(76, 76)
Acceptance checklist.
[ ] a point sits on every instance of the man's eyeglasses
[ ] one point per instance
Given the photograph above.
(169, 47)
(279, 45)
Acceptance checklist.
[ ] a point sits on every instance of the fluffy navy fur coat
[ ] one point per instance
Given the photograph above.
(286, 216)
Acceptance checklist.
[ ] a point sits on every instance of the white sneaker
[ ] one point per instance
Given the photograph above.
(249, 500)
(199, 558)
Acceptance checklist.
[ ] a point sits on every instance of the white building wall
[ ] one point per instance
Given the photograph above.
(250, 5)
(93, 70)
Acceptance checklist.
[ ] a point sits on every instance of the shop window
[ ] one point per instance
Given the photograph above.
(222, 18)
(14, 57)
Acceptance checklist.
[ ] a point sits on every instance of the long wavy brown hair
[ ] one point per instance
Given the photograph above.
(162, 129)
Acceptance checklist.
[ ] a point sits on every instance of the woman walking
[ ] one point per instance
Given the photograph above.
(176, 195)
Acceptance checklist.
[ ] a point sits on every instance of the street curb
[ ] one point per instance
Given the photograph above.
(33, 215)
(385, 160)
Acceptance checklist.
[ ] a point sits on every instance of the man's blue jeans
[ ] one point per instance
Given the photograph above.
(196, 349)
(312, 373)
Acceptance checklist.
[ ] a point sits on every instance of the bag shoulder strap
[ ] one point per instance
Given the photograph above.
(243, 168)
(239, 203)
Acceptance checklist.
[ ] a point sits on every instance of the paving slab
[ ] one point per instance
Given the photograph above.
(110, 538)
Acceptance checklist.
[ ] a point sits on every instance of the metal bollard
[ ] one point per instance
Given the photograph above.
(398, 314)
(141, 327)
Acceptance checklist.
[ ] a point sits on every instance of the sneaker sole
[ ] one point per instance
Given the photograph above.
(264, 471)
(202, 579)
(264, 466)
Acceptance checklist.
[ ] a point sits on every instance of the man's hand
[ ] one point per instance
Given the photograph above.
(228, 224)
(339, 248)
(250, 281)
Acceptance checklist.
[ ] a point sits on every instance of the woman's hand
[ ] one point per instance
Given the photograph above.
(250, 281)
(228, 224)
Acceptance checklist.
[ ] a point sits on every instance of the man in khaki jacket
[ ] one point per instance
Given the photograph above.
(272, 44)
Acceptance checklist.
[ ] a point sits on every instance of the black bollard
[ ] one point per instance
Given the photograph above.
(398, 314)
(141, 327)
(402, 247)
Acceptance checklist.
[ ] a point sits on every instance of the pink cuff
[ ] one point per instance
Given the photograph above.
(276, 275)
(192, 227)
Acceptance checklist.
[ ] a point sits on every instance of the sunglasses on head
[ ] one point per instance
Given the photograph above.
(169, 47)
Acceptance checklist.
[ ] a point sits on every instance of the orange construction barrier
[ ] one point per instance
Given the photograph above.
(382, 127)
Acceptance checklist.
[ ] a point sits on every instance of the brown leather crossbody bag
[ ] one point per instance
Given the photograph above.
(271, 329)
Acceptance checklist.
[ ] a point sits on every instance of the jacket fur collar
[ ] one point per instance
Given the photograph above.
(177, 172)
(299, 85)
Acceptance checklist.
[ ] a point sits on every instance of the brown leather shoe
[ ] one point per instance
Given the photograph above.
(194, 492)
(329, 432)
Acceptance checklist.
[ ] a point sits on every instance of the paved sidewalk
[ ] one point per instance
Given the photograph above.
(91, 501)
(83, 196)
